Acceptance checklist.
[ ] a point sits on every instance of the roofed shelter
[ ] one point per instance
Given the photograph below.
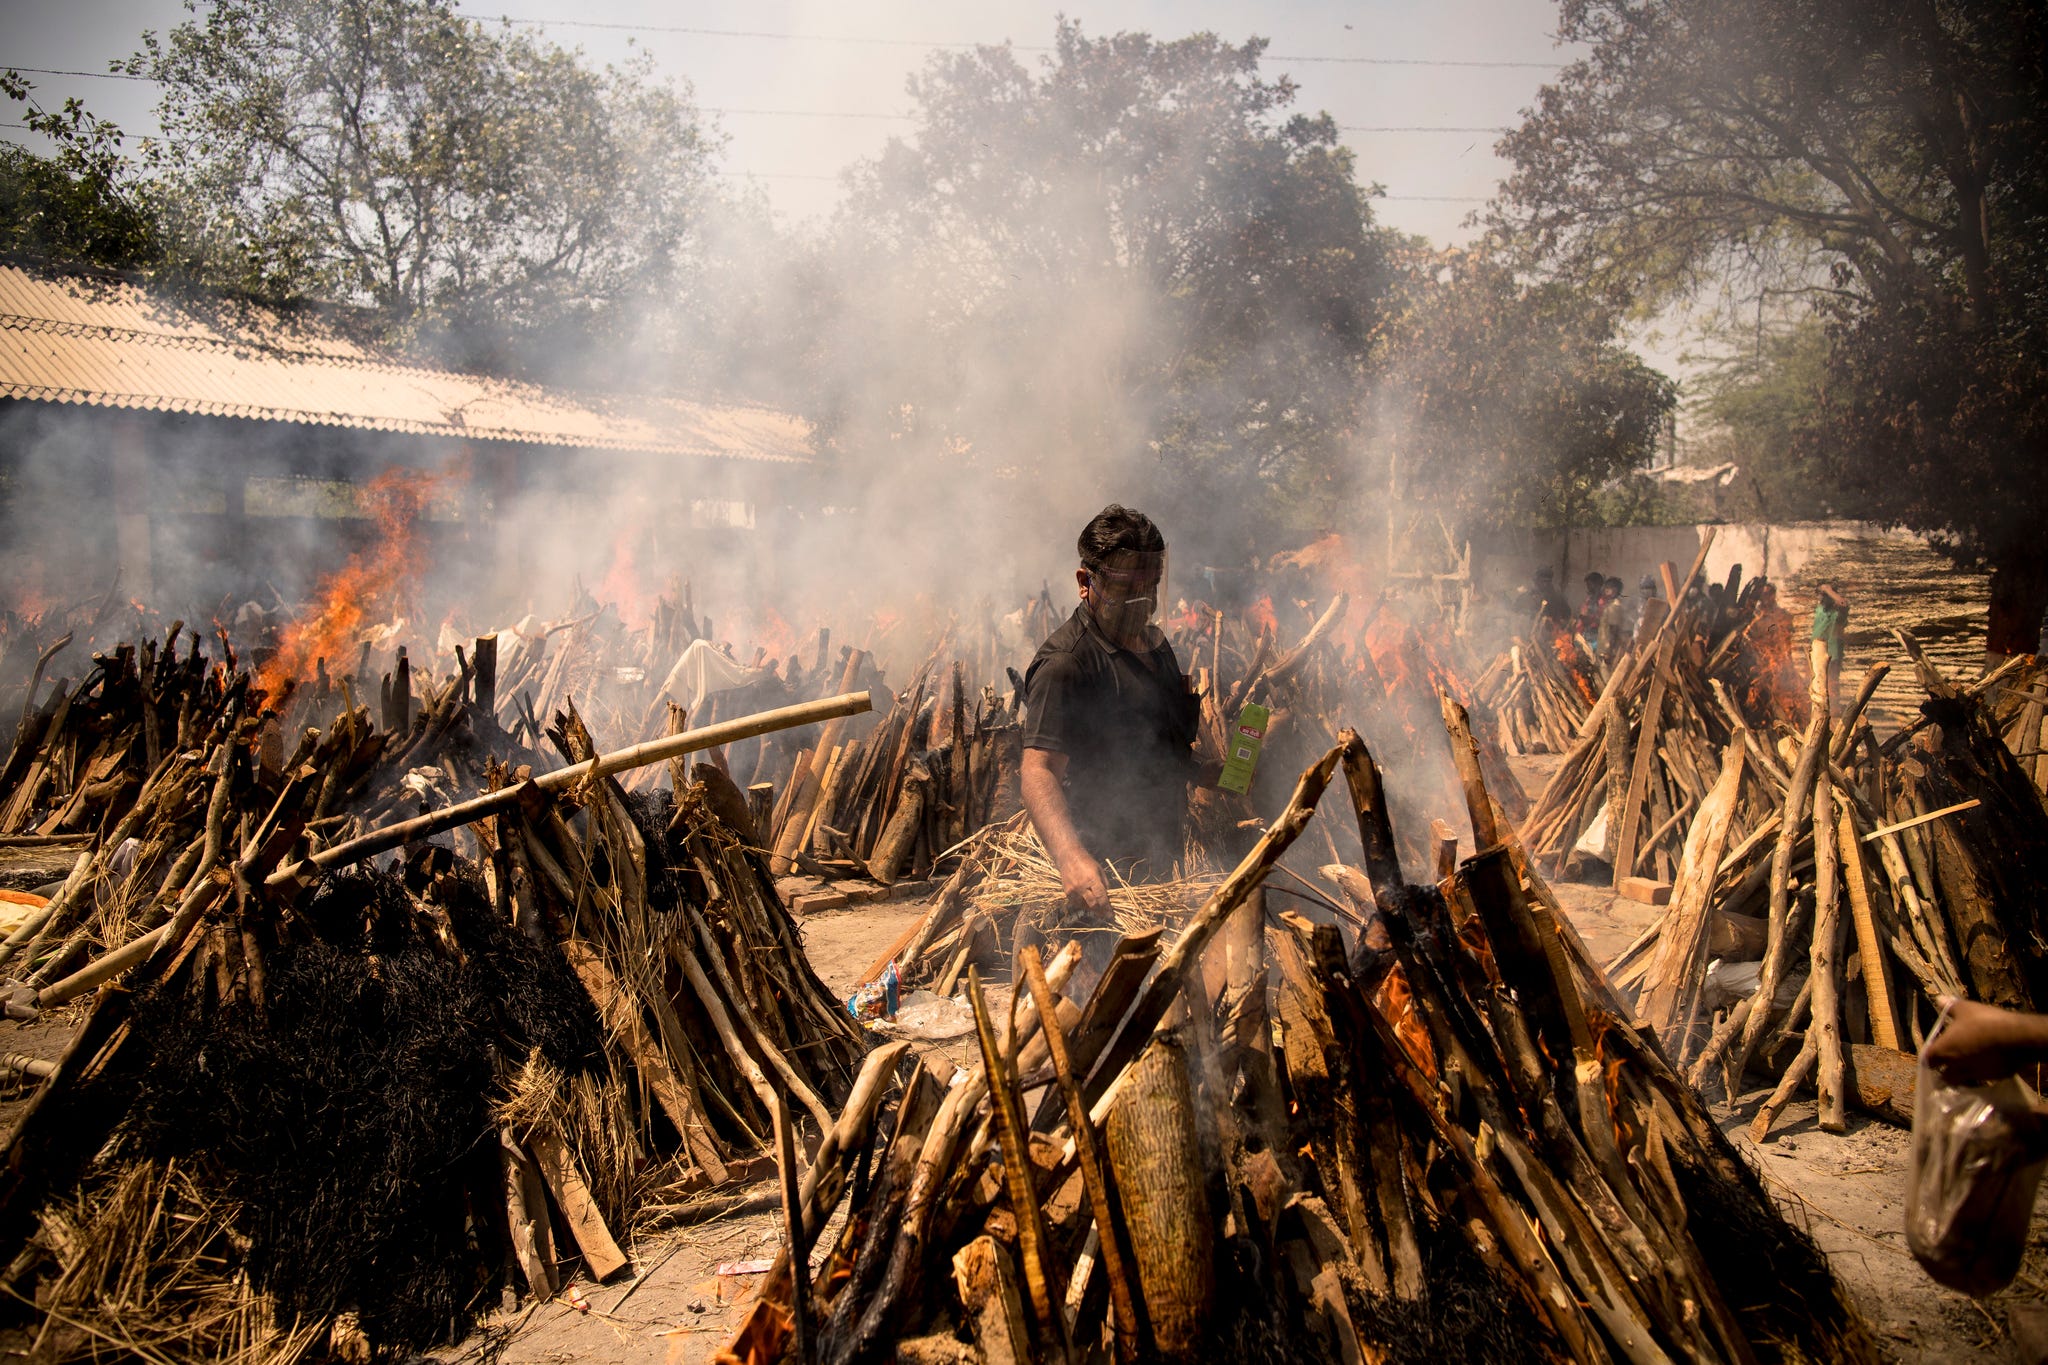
(205, 446)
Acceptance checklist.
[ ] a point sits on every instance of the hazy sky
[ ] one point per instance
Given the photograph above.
(801, 60)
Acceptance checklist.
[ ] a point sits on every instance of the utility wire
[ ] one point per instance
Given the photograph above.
(822, 113)
(94, 75)
(1395, 198)
(867, 41)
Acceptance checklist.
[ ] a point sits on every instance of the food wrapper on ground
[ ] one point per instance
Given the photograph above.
(876, 999)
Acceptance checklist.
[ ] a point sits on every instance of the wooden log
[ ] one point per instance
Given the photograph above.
(1645, 890)
(1827, 965)
(1675, 974)
(1647, 733)
(1877, 986)
(1094, 1174)
(572, 1195)
(484, 675)
(1788, 1085)
(990, 1303)
(1033, 1237)
(796, 1245)
(676, 1096)
(1881, 1082)
(526, 1215)
(1791, 822)
(1156, 1153)
(899, 836)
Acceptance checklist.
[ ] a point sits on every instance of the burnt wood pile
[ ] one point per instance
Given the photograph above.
(312, 1102)
(1457, 1148)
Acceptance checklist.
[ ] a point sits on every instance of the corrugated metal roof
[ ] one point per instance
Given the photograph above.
(114, 344)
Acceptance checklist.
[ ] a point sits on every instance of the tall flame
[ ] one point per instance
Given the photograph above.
(372, 585)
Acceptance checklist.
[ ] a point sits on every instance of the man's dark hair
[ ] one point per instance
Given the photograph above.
(1115, 528)
(1614, 586)
(1596, 580)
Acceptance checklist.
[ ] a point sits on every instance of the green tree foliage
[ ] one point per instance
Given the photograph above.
(474, 188)
(73, 207)
(1133, 254)
(1885, 157)
(1757, 403)
(1512, 405)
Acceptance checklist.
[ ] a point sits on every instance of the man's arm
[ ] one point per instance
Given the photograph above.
(1046, 799)
(1982, 1043)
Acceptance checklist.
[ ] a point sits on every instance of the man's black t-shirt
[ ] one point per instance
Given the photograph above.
(1128, 732)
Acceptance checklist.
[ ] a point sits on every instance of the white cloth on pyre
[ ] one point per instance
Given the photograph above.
(702, 670)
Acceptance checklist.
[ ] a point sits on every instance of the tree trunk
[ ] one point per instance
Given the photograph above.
(2019, 597)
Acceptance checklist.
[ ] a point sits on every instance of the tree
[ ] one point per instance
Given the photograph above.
(1885, 158)
(1507, 404)
(481, 190)
(73, 207)
(1758, 402)
(1133, 257)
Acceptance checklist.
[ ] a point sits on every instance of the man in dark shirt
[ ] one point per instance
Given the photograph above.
(1110, 725)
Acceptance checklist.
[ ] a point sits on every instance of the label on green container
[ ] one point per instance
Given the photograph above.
(1241, 748)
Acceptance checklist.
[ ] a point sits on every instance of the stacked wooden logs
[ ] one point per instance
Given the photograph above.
(945, 761)
(2018, 703)
(1645, 759)
(588, 1011)
(1539, 696)
(1457, 1148)
(1889, 876)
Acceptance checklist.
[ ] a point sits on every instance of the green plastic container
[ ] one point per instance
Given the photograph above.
(1242, 745)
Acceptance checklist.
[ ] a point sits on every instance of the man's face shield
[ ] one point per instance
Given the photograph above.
(1124, 594)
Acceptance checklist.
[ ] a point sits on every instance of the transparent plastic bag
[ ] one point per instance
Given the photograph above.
(1978, 1153)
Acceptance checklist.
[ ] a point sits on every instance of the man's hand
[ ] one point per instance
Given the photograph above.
(1081, 875)
(1046, 800)
(1982, 1043)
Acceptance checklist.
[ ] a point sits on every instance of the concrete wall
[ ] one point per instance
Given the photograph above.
(1504, 562)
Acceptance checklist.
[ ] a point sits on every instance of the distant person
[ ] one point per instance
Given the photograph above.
(1587, 625)
(1550, 604)
(1653, 611)
(1615, 625)
(1830, 625)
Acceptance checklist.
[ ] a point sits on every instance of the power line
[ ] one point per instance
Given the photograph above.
(825, 113)
(1383, 198)
(863, 40)
(94, 75)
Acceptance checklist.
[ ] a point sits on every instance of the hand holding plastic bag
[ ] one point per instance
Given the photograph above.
(1978, 1153)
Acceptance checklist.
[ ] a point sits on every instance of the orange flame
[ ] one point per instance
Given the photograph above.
(622, 587)
(371, 584)
(1259, 616)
